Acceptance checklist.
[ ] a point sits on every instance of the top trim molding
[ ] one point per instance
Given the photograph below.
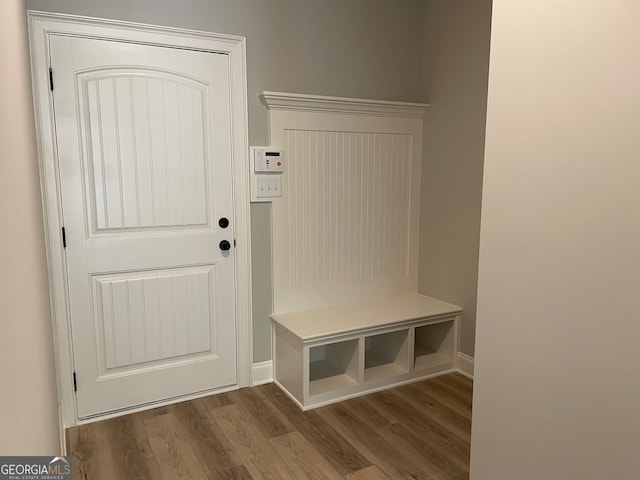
(357, 106)
(133, 32)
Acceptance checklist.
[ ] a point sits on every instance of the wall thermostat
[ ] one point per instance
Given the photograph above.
(267, 160)
(266, 173)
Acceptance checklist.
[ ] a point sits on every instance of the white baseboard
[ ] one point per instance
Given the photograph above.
(464, 365)
(261, 373)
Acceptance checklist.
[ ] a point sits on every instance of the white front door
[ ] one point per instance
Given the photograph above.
(144, 148)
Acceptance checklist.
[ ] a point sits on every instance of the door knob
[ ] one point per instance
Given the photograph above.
(223, 222)
(224, 245)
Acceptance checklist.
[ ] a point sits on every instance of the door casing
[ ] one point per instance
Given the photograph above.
(41, 26)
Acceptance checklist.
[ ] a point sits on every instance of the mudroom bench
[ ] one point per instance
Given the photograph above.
(329, 354)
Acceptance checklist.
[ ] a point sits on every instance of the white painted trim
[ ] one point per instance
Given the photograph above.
(41, 26)
(464, 365)
(62, 432)
(158, 404)
(318, 103)
(262, 373)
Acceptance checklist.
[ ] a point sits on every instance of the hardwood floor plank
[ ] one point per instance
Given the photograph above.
(342, 455)
(424, 452)
(419, 431)
(300, 455)
(80, 445)
(140, 432)
(216, 457)
(152, 412)
(455, 387)
(91, 452)
(464, 383)
(446, 419)
(174, 454)
(257, 454)
(419, 422)
(237, 473)
(369, 473)
(212, 402)
(452, 402)
(446, 476)
(375, 416)
(375, 447)
(268, 420)
(430, 399)
(129, 458)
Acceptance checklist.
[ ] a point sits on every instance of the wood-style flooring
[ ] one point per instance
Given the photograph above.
(417, 431)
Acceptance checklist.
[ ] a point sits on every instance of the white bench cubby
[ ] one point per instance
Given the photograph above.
(329, 354)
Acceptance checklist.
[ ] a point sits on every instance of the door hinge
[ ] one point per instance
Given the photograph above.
(51, 78)
(75, 382)
(64, 238)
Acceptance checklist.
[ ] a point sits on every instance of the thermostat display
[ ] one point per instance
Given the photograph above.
(268, 160)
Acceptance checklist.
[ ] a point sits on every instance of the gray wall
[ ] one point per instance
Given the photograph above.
(354, 48)
(357, 48)
(456, 63)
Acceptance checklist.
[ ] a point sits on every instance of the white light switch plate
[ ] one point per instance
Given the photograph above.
(268, 186)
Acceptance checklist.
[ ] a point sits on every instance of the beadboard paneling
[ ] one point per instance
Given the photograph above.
(347, 208)
(346, 226)
(132, 184)
(155, 315)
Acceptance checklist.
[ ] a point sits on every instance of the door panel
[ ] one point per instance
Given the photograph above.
(148, 159)
(144, 151)
(167, 314)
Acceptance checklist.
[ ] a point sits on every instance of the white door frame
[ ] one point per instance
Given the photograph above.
(41, 26)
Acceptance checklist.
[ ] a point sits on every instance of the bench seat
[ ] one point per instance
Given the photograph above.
(333, 353)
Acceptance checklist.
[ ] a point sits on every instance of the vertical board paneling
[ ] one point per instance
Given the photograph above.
(107, 119)
(207, 283)
(153, 338)
(137, 320)
(199, 152)
(126, 152)
(193, 314)
(323, 202)
(341, 212)
(95, 151)
(121, 322)
(154, 315)
(143, 152)
(347, 208)
(132, 184)
(173, 144)
(305, 240)
(188, 170)
(180, 314)
(105, 309)
(167, 315)
(159, 160)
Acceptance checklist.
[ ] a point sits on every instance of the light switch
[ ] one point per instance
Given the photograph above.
(268, 186)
